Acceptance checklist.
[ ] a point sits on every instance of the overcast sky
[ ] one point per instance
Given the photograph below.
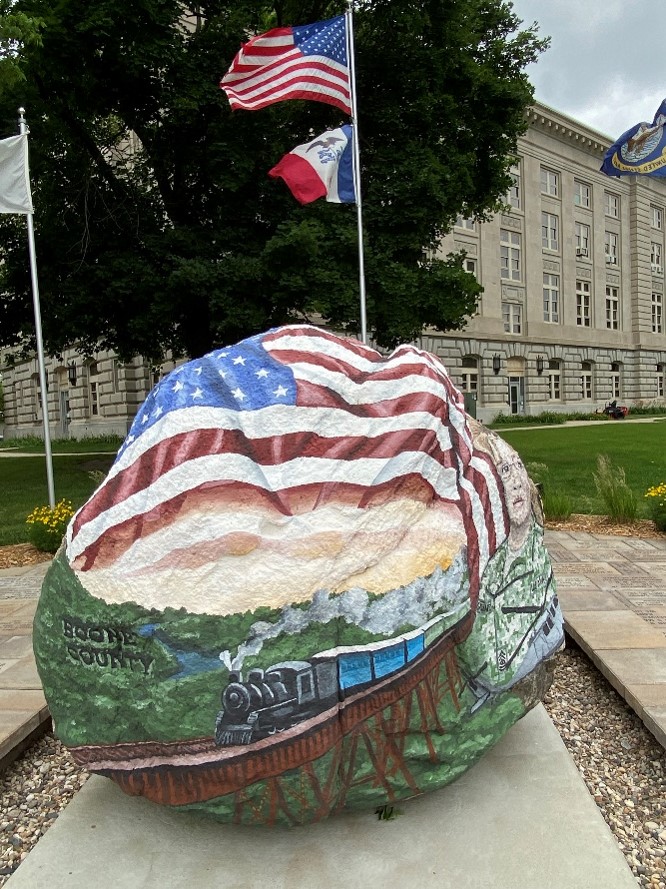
(606, 64)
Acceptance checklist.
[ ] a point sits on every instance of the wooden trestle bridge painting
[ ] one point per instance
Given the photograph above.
(309, 584)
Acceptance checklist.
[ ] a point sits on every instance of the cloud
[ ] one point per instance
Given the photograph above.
(605, 65)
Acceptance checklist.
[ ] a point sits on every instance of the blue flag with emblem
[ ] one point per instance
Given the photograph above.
(641, 151)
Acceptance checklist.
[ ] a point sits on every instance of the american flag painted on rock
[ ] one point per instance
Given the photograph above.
(288, 421)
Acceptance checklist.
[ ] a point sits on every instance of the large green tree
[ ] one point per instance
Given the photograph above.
(156, 224)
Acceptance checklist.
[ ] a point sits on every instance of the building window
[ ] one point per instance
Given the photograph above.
(94, 400)
(582, 239)
(611, 240)
(35, 397)
(615, 380)
(510, 255)
(512, 315)
(582, 192)
(513, 194)
(463, 222)
(612, 308)
(549, 231)
(551, 298)
(549, 182)
(661, 373)
(470, 374)
(93, 391)
(655, 257)
(611, 205)
(554, 381)
(583, 304)
(586, 381)
(657, 313)
(116, 375)
(470, 265)
(656, 217)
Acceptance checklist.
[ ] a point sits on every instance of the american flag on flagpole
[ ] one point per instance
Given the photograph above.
(284, 445)
(303, 62)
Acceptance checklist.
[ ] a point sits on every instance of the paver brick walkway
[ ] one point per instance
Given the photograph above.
(612, 591)
(613, 594)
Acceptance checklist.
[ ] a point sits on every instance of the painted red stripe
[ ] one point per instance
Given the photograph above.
(314, 395)
(297, 500)
(269, 451)
(317, 333)
(335, 363)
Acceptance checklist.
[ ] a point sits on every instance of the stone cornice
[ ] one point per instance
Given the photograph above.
(568, 129)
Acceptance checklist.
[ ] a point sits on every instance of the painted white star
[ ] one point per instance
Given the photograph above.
(198, 393)
(144, 419)
(222, 373)
(177, 386)
(222, 354)
(238, 394)
(261, 373)
(158, 412)
(239, 360)
(197, 370)
(130, 439)
(280, 391)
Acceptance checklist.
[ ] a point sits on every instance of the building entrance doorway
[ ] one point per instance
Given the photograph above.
(517, 395)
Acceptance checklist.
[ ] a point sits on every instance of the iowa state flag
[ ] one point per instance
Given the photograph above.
(320, 168)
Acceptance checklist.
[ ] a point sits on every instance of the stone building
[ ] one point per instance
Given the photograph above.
(571, 316)
(85, 398)
(572, 312)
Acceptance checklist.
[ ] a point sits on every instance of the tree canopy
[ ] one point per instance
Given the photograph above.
(156, 224)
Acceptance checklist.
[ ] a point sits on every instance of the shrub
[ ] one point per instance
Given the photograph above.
(656, 497)
(46, 526)
(611, 484)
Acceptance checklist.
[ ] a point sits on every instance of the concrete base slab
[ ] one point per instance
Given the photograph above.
(521, 818)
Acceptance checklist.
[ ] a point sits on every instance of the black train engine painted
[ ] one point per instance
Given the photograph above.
(273, 700)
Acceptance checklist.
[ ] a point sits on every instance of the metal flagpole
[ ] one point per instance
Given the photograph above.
(356, 156)
(23, 129)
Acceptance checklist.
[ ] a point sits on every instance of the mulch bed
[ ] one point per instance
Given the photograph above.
(20, 555)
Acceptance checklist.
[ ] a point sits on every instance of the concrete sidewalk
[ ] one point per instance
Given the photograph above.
(23, 711)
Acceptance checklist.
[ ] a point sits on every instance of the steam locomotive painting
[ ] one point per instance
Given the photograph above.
(290, 692)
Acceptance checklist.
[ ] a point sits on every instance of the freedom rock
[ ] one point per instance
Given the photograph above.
(310, 583)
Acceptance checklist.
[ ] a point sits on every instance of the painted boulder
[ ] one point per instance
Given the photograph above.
(309, 583)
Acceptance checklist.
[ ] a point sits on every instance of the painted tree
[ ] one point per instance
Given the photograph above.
(157, 226)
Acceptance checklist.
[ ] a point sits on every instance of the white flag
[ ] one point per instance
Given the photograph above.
(14, 179)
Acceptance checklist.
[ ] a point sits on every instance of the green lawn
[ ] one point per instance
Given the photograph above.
(33, 445)
(23, 486)
(570, 453)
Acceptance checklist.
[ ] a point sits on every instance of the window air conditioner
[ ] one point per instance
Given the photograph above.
(581, 251)
(611, 260)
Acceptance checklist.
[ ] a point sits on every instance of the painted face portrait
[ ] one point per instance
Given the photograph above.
(516, 489)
